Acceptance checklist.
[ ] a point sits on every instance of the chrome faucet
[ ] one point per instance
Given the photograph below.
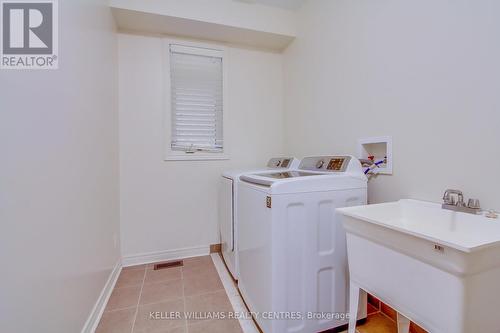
(449, 202)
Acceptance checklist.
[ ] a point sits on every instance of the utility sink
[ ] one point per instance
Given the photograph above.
(438, 267)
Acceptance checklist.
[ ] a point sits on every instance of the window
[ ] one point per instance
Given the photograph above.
(195, 103)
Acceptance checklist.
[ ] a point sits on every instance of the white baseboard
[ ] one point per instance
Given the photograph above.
(96, 313)
(147, 258)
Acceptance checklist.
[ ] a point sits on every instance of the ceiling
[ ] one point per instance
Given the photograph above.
(287, 4)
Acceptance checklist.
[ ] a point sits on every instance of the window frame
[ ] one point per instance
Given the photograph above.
(177, 155)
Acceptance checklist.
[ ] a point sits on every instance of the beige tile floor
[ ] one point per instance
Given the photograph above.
(378, 323)
(192, 288)
(141, 291)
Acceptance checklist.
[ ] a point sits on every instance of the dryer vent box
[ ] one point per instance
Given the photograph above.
(380, 147)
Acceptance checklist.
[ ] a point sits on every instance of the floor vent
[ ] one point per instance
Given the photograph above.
(168, 264)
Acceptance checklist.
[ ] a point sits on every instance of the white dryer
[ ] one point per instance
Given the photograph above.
(227, 207)
(291, 245)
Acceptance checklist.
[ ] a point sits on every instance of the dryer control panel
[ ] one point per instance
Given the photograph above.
(325, 163)
(280, 162)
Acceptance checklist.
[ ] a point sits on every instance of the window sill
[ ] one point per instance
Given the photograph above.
(196, 157)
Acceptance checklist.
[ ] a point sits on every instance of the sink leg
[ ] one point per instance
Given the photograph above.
(353, 306)
(403, 324)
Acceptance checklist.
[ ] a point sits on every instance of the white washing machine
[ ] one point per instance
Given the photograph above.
(293, 270)
(227, 207)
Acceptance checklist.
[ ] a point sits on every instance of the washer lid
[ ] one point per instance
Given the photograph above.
(235, 174)
(274, 164)
(269, 178)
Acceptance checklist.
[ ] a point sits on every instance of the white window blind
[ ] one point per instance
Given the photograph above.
(196, 99)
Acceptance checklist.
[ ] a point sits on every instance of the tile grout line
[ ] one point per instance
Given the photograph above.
(120, 309)
(207, 293)
(184, 300)
(139, 299)
(172, 299)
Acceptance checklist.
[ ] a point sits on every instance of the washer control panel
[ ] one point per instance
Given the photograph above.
(280, 162)
(325, 163)
(336, 164)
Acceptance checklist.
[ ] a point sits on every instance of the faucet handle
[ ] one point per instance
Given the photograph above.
(448, 198)
(474, 204)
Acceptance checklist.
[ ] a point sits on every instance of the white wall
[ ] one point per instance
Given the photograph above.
(59, 178)
(426, 72)
(168, 205)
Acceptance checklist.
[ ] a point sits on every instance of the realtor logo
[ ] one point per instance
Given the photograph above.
(29, 34)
